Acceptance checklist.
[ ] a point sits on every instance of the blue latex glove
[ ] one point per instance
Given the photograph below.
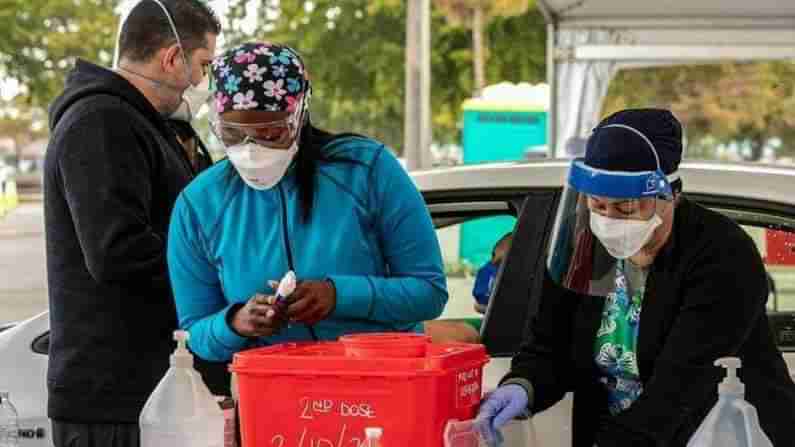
(498, 408)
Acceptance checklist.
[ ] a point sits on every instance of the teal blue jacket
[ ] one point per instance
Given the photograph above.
(370, 234)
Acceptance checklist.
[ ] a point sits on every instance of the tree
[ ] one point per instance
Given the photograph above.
(741, 103)
(518, 44)
(22, 124)
(354, 51)
(476, 14)
(40, 39)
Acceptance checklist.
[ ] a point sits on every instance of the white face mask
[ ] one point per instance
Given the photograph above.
(623, 238)
(261, 168)
(193, 98)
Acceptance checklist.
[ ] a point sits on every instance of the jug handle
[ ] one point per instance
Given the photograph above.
(751, 420)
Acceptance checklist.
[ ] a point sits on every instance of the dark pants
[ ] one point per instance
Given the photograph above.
(66, 434)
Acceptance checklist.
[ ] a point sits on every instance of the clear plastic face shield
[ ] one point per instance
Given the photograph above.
(606, 217)
(195, 96)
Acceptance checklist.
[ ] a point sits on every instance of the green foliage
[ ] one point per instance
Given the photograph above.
(460, 12)
(745, 103)
(40, 39)
(354, 51)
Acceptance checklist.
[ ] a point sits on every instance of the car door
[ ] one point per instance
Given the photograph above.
(23, 372)
(514, 297)
(468, 225)
(772, 227)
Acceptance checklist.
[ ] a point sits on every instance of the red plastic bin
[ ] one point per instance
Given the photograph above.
(326, 394)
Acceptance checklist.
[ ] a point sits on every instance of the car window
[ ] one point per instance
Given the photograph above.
(777, 248)
(774, 236)
(467, 249)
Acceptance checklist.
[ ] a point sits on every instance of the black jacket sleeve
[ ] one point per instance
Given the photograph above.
(723, 297)
(106, 175)
(545, 359)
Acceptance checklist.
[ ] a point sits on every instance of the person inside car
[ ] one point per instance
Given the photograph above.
(337, 209)
(486, 276)
(647, 291)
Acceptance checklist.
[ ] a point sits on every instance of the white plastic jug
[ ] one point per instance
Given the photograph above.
(181, 411)
(732, 422)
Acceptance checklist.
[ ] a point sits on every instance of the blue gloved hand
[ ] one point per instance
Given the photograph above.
(498, 408)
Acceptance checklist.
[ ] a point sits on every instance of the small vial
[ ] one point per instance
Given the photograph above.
(373, 437)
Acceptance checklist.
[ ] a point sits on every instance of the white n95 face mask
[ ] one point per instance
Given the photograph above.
(623, 238)
(193, 98)
(260, 167)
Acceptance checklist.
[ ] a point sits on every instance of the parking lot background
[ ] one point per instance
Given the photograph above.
(23, 284)
(23, 273)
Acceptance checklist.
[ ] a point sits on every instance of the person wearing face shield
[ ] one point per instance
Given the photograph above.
(113, 170)
(337, 209)
(644, 291)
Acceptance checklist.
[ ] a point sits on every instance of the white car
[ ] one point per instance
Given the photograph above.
(474, 206)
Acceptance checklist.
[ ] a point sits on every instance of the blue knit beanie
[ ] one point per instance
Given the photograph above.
(616, 148)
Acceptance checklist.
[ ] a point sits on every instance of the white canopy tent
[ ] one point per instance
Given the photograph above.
(590, 40)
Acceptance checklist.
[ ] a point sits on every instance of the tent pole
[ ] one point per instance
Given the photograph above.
(546, 11)
(552, 113)
(552, 28)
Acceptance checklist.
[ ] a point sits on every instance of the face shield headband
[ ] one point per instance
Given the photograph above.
(622, 185)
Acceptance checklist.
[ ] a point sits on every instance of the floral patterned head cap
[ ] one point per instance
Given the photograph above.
(259, 76)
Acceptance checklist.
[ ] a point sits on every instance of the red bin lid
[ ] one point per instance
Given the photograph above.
(382, 354)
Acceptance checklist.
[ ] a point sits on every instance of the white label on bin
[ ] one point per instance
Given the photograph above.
(312, 408)
(467, 388)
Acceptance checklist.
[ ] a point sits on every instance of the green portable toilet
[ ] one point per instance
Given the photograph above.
(498, 132)
(508, 123)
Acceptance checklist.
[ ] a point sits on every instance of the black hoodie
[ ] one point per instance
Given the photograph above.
(112, 173)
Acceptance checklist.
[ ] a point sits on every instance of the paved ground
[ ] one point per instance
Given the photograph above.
(23, 276)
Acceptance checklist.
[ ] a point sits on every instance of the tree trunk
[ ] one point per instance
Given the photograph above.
(478, 50)
(417, 121)
(18, 146)
(757, 148)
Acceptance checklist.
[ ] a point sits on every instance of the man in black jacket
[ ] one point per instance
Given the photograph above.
(113, 171)
(645, 291)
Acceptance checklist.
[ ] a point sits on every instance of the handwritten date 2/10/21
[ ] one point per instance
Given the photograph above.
(344, 438)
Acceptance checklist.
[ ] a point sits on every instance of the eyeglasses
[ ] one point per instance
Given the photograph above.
(622, 208)
(277, 134)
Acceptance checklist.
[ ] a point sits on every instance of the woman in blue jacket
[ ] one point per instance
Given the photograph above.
(339, 210)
